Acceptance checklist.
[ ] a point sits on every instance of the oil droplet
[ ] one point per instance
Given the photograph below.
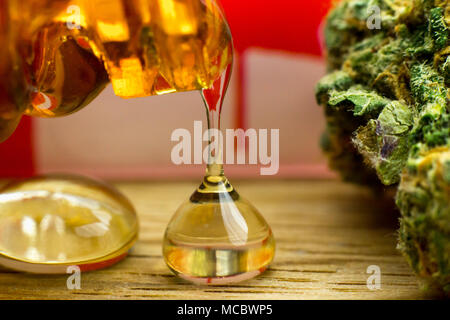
(217, 237)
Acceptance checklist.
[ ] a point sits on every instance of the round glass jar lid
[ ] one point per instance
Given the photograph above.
(50, 223)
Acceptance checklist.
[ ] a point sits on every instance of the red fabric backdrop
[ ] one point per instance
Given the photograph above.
(288, 25)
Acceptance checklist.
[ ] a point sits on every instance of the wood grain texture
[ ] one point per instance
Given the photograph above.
(327, 234)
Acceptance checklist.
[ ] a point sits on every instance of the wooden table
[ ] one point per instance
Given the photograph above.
(328, 234)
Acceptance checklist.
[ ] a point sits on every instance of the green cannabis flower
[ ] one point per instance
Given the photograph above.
(386, 100)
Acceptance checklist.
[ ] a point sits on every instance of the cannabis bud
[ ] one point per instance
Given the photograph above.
(386, 100)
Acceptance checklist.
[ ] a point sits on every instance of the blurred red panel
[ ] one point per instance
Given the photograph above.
(16, 153)
(286, 25)
(289, 25)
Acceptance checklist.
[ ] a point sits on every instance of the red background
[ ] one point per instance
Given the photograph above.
(287, 25)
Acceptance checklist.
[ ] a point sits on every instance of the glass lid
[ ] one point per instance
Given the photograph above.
(50, 223)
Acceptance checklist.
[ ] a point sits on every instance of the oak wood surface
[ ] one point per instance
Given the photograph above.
(328, 233)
